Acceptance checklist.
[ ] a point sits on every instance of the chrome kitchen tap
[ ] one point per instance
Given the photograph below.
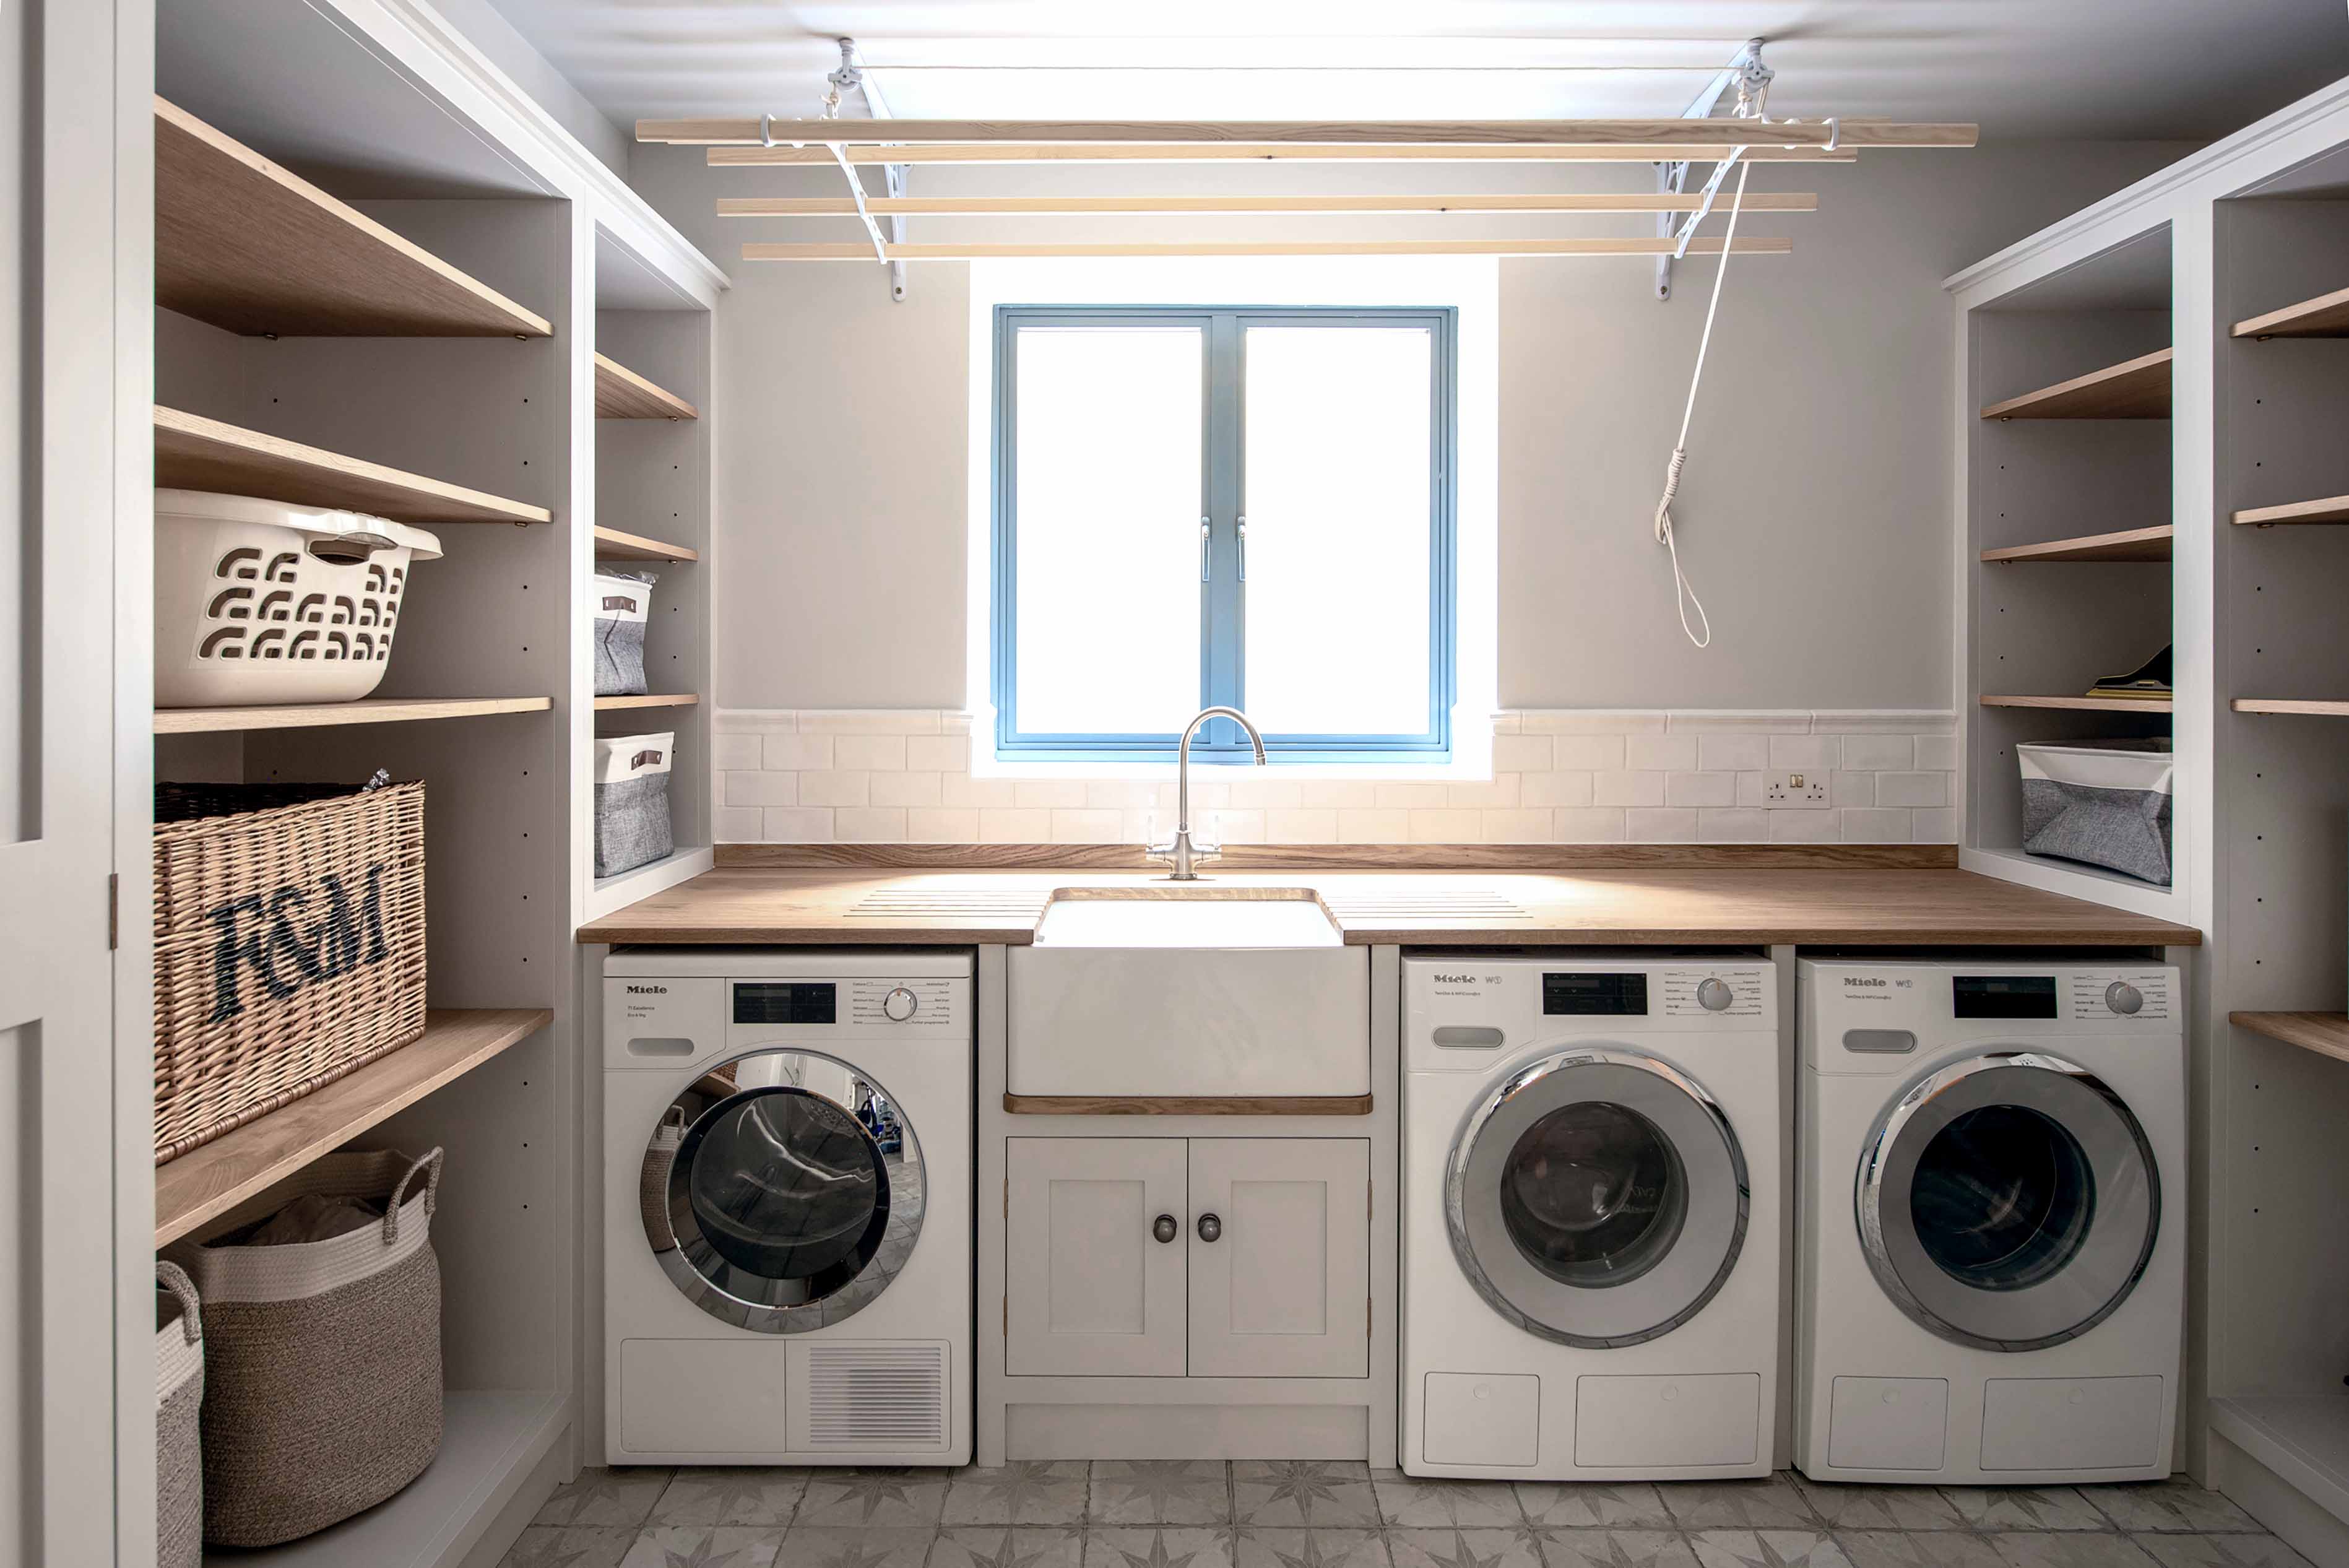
(1179, 851)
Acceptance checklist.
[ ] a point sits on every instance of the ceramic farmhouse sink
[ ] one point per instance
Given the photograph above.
(1158, 992)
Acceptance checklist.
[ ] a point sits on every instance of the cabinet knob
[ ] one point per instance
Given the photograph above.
(1164, 1228)
(1210, 1227)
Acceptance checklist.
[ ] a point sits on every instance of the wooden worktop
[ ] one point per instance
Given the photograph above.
(1747, 904)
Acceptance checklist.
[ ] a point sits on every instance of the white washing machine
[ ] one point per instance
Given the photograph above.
(788, 1206)
(1992, 1220)
(1591, 1217)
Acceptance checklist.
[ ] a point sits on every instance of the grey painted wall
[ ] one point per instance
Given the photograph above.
(1814, 515)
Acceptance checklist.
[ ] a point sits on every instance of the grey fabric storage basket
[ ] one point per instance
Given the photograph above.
(178, 1415)
(622, 606)
(322, 1358)
(2102, 802)
(632, 823)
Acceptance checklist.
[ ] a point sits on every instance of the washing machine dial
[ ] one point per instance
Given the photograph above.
(900, 1004)
(1715, 995)
(2123, 997)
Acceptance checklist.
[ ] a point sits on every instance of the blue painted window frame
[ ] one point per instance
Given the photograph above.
(1222, 628)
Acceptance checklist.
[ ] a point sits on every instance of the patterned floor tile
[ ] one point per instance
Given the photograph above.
(761, 1496)
(2068, 1549)
(2221, 1551)
(2040, 1508)
(1157, 1547)
(1317, 1492)
(606, 1497)
(1594, 1505)
(1841, 1507)
(1766, 1549)
(974, 1546)
(700, 1546)
(1257, 1547)
(863, 1498)
(1917, 1549)
(1461, 1549)
(2169, 1505)
(1026, 1491)
(1766, 1502)
(1612, 1548)
(1159, 1491)
(813, 1546)
(1434, 1502)
(570, 1546)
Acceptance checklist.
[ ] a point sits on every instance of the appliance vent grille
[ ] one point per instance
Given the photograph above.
(864, 1396)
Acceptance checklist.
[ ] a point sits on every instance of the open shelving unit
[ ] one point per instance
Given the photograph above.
(622, 394)
(2122, 545)
(2136, 389)
(612, 545)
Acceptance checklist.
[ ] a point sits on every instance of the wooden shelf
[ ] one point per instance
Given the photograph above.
(2326, 315)
(2083, 704)
(622, 394)
(2134, 389)
(2290, 705)
(654, 700)
(192, 452)
(208, 1181)
(254, 248)
(2129, 545)
(2326, 1033)
(614, 546)
(315, 715)
(2331, 509)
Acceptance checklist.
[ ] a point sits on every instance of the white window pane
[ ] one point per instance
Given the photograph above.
(1338, 454)
(1108, 497)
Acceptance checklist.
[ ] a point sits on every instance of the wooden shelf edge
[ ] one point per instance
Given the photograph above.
(2328, 509)
(622, 394)
(2083, 704)
(654, 700)
(2326, 1033)
(2129, 390)
(2326, 315)
(2127, 545)
(1187, 1105)
(319, 715)
(621, 546)
(2324, 708)
(208, 1181)
(196, 452)
(212, 191)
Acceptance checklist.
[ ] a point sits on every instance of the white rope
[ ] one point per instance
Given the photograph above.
(1683, 594)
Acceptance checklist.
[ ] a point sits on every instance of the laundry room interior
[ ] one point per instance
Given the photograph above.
(994, 784)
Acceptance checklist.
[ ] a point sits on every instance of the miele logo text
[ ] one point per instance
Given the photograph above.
(1455, 980)
(1856, 980)
(647, 990)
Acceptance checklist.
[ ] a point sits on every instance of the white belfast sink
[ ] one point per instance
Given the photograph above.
(1154, 992)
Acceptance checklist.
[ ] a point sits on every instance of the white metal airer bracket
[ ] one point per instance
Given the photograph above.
(851, 77)
(1743, 85)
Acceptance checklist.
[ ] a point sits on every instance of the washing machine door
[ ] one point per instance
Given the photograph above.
(782, 1191)
(2009, 1200)
(1597, 1197)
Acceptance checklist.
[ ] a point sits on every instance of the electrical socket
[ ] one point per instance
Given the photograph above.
(1799, 791)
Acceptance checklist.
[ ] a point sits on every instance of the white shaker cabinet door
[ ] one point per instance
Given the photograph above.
(1283, 1290)
(1094, 1282)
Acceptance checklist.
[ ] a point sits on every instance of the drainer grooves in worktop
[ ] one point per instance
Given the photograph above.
(1471, 903)
(946, 903)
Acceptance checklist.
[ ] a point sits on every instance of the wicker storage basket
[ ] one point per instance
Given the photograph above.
(179, 1408)
(289, 945)
(322, 1358)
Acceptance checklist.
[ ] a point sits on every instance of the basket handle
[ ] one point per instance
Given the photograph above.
(430, 1165)
(175, 1279)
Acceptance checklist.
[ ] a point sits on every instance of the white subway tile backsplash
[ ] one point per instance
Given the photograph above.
(1558, 776)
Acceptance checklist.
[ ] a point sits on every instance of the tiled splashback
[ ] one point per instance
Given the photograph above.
(1559, 776)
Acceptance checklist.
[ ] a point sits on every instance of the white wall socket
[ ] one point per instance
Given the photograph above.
(1798, 792)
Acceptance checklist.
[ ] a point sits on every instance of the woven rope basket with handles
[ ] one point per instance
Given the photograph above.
(179, 1408)
(322, 1374)
(289, 945)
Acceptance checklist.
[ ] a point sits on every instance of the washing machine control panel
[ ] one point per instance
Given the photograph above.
(2137, 994)
(1727, 992)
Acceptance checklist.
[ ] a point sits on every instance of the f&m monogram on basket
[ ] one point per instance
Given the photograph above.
(289, 945)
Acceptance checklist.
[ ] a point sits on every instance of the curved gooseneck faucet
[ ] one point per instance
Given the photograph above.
(1180, 850)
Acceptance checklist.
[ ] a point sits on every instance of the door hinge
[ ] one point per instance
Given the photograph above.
(113, 910)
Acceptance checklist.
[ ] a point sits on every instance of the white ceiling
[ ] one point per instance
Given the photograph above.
(2022, 69)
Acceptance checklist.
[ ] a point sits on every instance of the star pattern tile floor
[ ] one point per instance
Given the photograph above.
(1334, 1514)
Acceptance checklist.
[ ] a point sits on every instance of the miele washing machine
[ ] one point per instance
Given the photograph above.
(1591, 1215)
(788, 1213)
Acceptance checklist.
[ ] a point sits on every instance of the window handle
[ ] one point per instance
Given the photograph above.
(1202, 549)
(1243, 533)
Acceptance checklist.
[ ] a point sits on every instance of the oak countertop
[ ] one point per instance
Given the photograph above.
(1896, 907)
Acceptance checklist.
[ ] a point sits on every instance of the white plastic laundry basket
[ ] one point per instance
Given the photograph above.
(257, 601)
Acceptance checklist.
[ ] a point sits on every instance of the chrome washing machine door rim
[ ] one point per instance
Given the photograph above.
(785, 1205)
